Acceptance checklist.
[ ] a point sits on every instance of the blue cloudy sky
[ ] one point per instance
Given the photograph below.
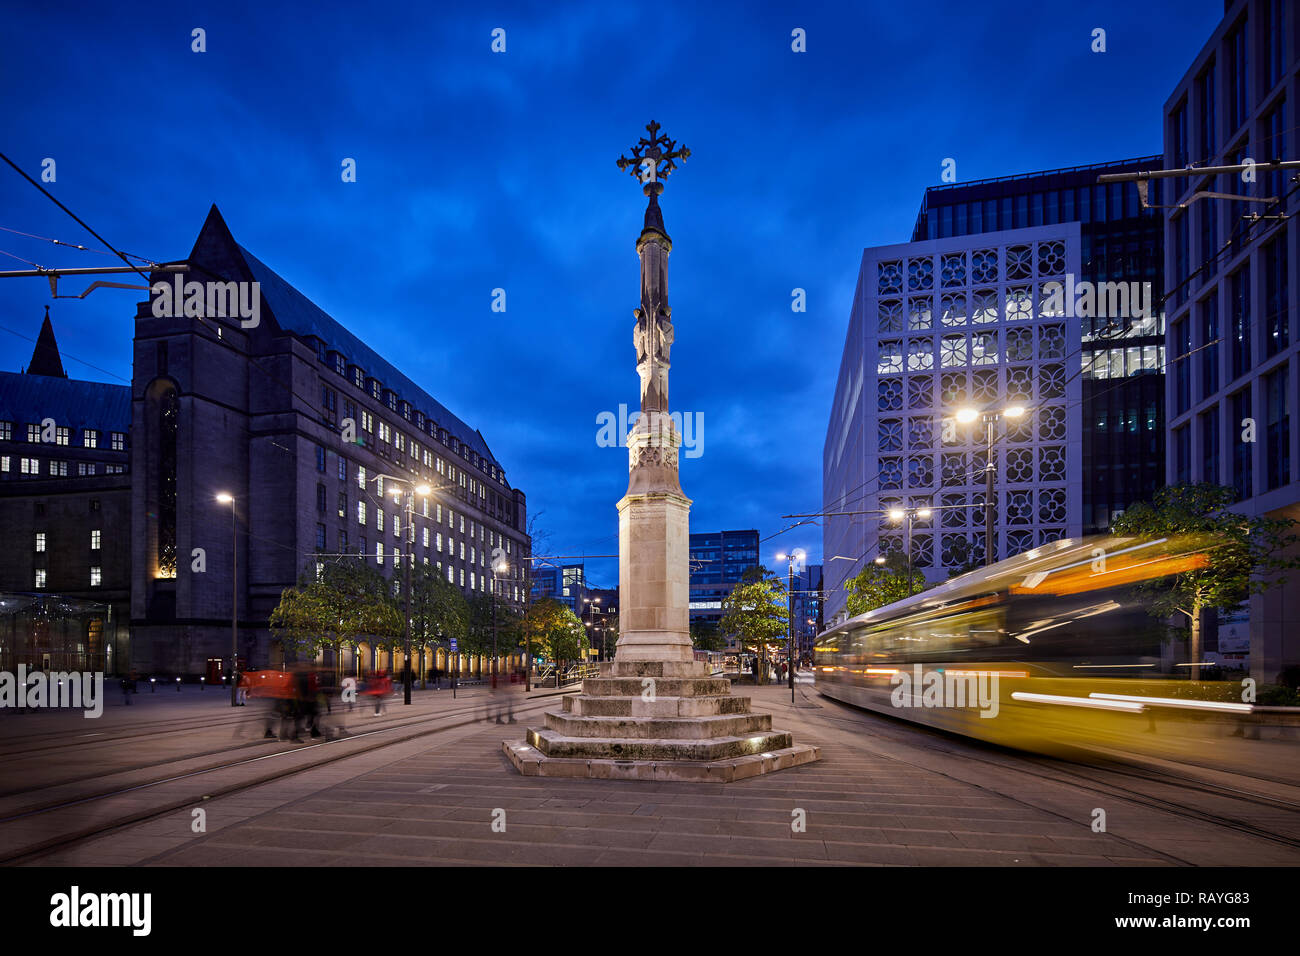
(478, 171)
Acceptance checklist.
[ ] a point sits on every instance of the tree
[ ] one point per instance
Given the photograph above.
(341, 601)
(756, 612)
(439, 611)
(1242, 552)
(879, 584)
(555, 631)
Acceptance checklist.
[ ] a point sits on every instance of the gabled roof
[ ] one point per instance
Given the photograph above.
(29, 399)
(217, 250)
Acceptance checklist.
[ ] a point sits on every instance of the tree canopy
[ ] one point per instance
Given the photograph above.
(879, 584)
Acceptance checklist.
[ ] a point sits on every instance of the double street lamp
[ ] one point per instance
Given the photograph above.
(796, 555)
(907, 515)
(498, 567)
(967, 416)
(411, 490)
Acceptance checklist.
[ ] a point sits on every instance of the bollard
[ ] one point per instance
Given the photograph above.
(153, 684)
(201, 683)
(178, 685)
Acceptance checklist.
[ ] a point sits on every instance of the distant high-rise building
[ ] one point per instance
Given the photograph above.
(1234, 352)
(719, 560)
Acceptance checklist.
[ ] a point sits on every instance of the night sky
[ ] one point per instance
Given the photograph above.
(478, 171)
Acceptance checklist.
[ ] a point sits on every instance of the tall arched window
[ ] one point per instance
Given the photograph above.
(168, 413)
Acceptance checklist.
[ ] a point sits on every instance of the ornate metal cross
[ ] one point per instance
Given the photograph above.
(653, 159)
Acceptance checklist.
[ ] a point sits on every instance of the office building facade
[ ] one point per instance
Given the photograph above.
(1234, 349)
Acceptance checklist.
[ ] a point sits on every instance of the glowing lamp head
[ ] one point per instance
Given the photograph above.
(423, 490)
(225, 498)
(880, 559)
(895, 514)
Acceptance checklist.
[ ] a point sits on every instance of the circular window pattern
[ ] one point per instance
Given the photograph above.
(957, 550)
(1020, 465)
(1051, 465)
(889, 357)
(985, 386)
(984, 348)
(890, 434)
(1022, 428)
(920, 312)
(891, 473)
(953, 471)
(984, 265)
(920, 471)
(1051, 506)
(1019, 510)
(953, 514)
(923, 550)
(953, 350)
(890, 312)
(984, 306)
(1051, 382)
(891, 544)
(952, 388)
(1051, 258)
(1050, 536)
(889, 394)
(1018, 542)
(920, 391)
(1020, 307)
(1051, 423)
(1020, 345)
(920, 432)
(952, 309)
(890, 278)
(1020, 263)
(952, 269)
(920, 355)
(1019, 383)
(920, 274)
(1051, 341)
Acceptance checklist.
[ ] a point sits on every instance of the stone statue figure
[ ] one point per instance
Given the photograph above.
(653, 341)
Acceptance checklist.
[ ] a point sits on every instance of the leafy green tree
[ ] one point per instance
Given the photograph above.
(439, 611)
(756, 612)
(879, 584)
(1244, 553)
(555, 631)
(346, 603)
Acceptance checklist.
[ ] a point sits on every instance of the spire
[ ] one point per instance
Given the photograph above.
(45, 357)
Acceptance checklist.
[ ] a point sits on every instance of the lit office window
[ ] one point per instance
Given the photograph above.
(96, 577)
(95, 540)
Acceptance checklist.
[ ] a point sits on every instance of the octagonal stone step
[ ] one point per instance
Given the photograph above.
(655, 669)
(554, 744)
(662, 686)
(659, 728)
(707, 706)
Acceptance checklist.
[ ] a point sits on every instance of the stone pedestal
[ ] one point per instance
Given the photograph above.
(656, 720)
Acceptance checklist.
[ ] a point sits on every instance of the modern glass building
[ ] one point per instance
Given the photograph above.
(1122, 357)
(719, 559)
(990, 275)
(1233, 346)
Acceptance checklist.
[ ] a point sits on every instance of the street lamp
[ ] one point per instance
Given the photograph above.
(906, 515)
(498, 567)
(412, 490)
(799, 555)
(226, 498)
(966, 416)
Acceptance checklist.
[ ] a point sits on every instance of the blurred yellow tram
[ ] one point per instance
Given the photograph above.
(1048, 650)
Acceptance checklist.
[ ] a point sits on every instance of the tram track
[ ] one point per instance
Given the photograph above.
(35, 851)
(1082, 774)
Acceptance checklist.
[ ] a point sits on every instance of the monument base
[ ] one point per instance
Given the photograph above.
(656, 720)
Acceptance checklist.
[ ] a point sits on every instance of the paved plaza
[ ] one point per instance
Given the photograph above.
(883, 793)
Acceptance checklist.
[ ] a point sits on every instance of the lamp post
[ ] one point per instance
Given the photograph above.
(226, 498)
(411, 490)
(966, 416)
(797, 554)
(906, 515)
(498, 567)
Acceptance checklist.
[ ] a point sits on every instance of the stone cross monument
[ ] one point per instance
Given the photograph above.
(655, 713)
